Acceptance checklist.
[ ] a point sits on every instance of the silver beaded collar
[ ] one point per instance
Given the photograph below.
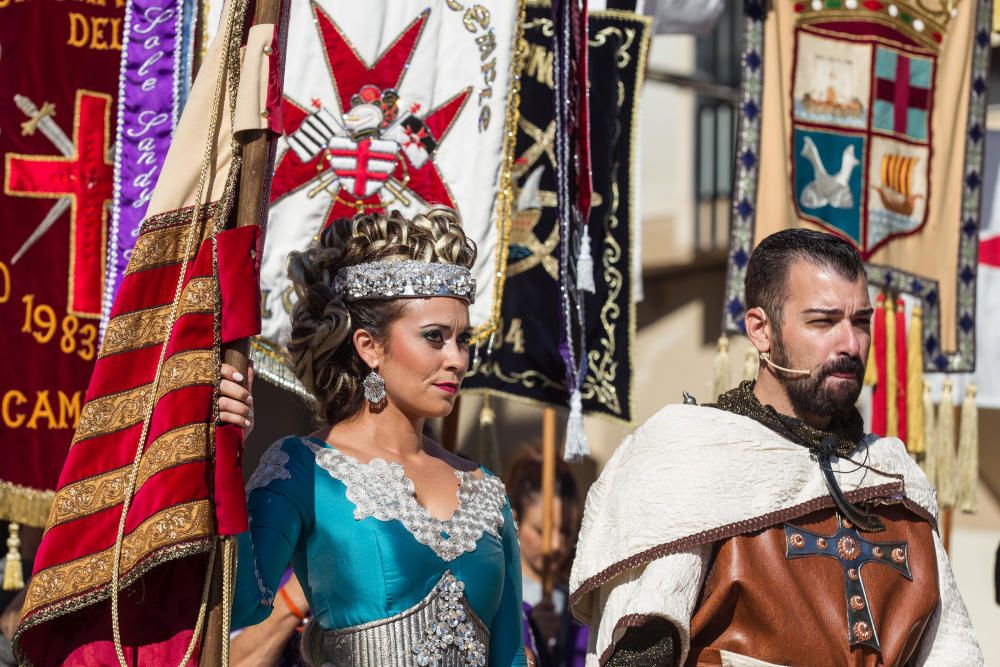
(404, 278)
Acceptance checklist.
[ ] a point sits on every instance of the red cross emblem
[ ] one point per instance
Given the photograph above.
(350, 75)
(85, 177)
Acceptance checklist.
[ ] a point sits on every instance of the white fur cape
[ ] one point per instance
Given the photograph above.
(691, 476)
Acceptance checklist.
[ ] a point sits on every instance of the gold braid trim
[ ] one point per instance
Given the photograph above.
(186, 369)
(172, 526)
(185, 444)
(111, 413)
(23, 504)
(164, 238)
(142, 328)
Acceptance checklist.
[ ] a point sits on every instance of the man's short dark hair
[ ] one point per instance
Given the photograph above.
(767, 270)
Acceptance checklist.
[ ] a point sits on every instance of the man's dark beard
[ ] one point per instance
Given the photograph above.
(809, 394)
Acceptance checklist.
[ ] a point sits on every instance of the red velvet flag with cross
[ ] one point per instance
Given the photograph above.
(57, 112)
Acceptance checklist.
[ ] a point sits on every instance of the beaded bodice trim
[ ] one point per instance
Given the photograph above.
(382, 490)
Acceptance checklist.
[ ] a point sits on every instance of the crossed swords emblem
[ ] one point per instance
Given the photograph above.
(41, 119)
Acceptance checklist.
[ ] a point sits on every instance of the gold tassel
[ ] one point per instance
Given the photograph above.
(930, 436)
(751, 364)
(915, 442)
(871, 372)
(489, 450)
(946, 449)
(892, 379)
(723, 372)
(13, 570)
(968, 452)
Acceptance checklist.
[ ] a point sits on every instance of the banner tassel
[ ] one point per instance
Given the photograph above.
(946, 449)
(585, 265)
(968, 452)
(930, 436)
(722, 373)
(13, 569)
(751, 364)
(576, 438)
(915, 400)
(489, 451)
(879, 351)
(902, 382)
(891, 377)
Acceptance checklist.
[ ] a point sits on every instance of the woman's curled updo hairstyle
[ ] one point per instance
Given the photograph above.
(321, 351)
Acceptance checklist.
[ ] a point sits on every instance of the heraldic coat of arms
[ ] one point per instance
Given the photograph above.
(862, 106)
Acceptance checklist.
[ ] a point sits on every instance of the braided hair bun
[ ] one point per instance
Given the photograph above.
(320, 349)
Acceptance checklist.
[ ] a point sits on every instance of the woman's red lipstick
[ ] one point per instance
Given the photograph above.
(449, 387)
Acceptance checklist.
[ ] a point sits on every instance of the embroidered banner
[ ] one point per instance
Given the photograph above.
(158, 45)
(151, 480)
(866, 119)
(392, 105)
(58, 83)
(524, 361)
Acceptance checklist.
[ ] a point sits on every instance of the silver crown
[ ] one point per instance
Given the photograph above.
(397, 279)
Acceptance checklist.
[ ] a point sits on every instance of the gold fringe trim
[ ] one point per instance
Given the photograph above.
(968, 453)
(930, 436)
(751, 364)
(946, 449)
(25, 505)
(916, 443)
(723, 375)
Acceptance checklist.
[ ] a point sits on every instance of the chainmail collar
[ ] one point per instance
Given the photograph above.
(847, 430)
(842, 437)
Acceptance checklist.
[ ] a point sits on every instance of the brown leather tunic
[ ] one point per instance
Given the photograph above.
(759, 603)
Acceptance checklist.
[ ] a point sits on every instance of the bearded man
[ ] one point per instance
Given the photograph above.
(769, 529)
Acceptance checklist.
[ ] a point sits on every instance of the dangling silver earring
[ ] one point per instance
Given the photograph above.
(374, 388)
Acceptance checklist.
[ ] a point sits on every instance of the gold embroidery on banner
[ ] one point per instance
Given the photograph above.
(93, 494)
(142, 328)
(185, 369)
(181, 445)
(164, 238)
(87, 496)
(112, 413)
(601, 368)
(135, 330)
(181, 523)
(158, 248)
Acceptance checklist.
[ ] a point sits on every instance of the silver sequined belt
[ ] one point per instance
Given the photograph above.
(441, 630)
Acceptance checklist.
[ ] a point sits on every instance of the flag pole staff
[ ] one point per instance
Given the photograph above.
(258, 150)
(549, 451)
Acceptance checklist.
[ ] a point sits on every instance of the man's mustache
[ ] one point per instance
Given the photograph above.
(852, 365)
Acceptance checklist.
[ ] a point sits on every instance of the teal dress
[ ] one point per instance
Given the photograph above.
(364, 550)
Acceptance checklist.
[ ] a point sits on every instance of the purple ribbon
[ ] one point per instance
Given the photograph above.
(153, 85)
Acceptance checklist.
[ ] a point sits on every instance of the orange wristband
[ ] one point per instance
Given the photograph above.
(296, 612)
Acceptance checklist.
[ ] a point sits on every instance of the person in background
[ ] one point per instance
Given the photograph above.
(550, 631)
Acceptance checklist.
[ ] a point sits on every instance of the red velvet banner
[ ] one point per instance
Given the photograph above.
(58, 88)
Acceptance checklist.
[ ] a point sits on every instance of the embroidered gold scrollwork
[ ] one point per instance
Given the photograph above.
(181, 523)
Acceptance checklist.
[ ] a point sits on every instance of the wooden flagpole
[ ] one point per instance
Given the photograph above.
(549, 452)
(258, 149)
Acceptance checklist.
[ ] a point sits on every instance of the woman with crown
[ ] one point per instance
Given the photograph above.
(407, 553)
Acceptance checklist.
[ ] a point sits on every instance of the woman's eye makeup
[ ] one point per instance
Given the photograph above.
(434, 335)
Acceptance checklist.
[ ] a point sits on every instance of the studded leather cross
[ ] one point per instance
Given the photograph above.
(853, 552)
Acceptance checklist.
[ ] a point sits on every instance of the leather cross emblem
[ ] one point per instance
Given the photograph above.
(853, 552)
